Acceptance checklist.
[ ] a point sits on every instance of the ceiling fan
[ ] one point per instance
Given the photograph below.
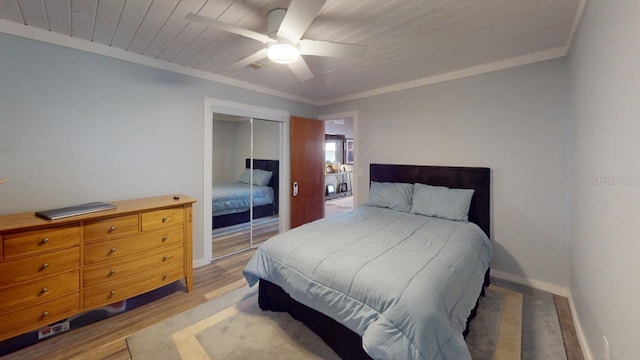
(284, 43)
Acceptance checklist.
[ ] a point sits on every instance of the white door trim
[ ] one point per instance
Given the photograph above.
(220, 106)
(357, 171)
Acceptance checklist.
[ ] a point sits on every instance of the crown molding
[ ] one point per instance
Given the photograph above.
(475, 70)
(582, 5)
(454, 75)
(33, 33)
(37, 34)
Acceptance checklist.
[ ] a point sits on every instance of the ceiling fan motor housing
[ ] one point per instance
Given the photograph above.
(274, 19)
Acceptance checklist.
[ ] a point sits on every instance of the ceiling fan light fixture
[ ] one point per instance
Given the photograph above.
(282, 53)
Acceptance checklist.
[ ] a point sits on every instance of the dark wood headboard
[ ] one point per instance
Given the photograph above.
(476, 178)
(274, 183)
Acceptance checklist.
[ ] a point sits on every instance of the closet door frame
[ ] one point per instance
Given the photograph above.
(211, 106)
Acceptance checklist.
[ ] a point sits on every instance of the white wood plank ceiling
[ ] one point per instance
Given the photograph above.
(408, 39)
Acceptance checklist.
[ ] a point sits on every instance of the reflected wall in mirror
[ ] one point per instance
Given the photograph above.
(245, 193)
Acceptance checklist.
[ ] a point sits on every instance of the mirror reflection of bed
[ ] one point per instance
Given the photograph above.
(242, 191)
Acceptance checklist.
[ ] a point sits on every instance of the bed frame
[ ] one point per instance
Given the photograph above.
(346, 343)
(258, 211)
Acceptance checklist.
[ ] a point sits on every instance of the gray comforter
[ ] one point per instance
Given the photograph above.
(405, 283)
(236, 197)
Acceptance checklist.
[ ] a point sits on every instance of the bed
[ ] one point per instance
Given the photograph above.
(231, 202)
(382, 282)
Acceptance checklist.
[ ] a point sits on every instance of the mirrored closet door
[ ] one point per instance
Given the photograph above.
(246, 176)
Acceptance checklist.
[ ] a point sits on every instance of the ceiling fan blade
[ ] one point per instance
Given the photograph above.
(301, 70)
(228, 27)
(299, 17)
(259, 55)
(332, 49)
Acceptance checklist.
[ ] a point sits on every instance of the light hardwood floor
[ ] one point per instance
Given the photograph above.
(234, 238)
(106, 339)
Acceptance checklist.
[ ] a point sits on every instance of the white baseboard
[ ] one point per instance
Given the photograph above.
(536, 284)
(200, 262)
(586, 350)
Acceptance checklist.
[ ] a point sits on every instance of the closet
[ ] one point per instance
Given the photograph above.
(246, 183)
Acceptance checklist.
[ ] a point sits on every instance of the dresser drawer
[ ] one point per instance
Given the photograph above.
(161, 218)
(32, 242)
(18, 322)
(132, 286)
(15, 271)
(119, 248)
(38, 291)
(111, 227)
(118, 269)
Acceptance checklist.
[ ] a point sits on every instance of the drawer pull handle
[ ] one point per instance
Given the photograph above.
(164, 258)
(164, 238)
(45, 240)
(164, 276)
(111, 229)
(44, 266)
(112, 250)
(164, 219)
(45, 314)
(113, 292)
(44, 290)
(113, 271)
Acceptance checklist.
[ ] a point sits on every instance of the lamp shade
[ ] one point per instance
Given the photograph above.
(283, 53)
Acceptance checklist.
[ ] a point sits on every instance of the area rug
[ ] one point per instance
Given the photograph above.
(232, 326)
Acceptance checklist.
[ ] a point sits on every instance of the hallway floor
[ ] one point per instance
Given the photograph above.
(338, 206)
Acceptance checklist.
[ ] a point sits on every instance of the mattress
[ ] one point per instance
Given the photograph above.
(236, 197)
(405, 283)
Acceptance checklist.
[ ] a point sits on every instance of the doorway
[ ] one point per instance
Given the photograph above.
(339, 158)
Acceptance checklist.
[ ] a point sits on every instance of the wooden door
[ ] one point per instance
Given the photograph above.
(307, 170)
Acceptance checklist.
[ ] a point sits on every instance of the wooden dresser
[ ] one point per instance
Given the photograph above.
(50, 270)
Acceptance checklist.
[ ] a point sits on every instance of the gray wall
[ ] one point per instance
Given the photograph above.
(78, 127)
(513, 121)
(225, 156)
(232, 146)
(604, 69)
(266, 141)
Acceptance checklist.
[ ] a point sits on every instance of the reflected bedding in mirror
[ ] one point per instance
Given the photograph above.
(236, 197)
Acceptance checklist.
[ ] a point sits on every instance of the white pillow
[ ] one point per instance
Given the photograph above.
(442, 202)
(261, 177)
(396, 196)
(245, 177)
